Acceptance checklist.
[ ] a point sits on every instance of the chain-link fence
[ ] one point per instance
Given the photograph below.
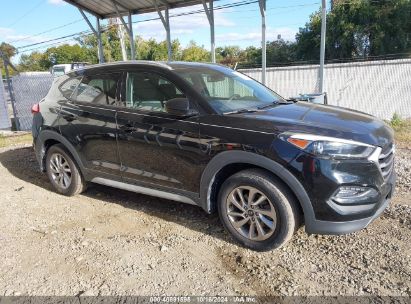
(29, 89)
(5, 122)
(380, 88)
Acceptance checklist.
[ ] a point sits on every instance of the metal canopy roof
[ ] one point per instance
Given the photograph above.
(102, 9)
(107, 8)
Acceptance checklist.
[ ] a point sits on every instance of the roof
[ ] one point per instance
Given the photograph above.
(173, 65)
(107, 8)
(126, 63)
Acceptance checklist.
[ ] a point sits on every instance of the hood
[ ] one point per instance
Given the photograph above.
(324, 120)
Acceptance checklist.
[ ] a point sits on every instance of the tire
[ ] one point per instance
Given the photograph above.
(268, 203)
(59, 163)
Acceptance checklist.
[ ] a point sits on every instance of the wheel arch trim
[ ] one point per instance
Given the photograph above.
(232, 157)
(47, 135)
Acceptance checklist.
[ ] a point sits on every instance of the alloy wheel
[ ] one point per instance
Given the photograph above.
(251, 213)
(60, 171)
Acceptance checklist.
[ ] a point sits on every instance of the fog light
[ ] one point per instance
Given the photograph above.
(346, 192)
(354, 195)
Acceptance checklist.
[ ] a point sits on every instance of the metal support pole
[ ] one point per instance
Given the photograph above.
(212, 31)
(99, 42)
(97, 32)
(167, 17)
(210, 16)
(166, 23)
(128, 27)
(322, 46)
(120, 32)
(88, 21)
(262, 4)
(10, 88)
(132, 46)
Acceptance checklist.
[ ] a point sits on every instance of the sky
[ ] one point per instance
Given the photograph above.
(24, 22)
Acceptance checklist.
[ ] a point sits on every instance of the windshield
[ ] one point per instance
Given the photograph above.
(227, 90)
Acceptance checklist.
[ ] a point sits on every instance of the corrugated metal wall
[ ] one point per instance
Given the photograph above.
(5, 122)
(380, 88)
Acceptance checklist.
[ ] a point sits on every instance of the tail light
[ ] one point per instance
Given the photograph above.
(35, 108)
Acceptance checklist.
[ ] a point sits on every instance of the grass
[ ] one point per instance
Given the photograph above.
(402, 128)
(6, 141)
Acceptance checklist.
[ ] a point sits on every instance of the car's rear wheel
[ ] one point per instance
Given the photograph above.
(258, 210)
(63, 172)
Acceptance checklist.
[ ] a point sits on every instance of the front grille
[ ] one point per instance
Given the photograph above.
(386, 160)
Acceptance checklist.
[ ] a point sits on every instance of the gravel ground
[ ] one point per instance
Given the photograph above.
(403, 168)
(112, 242)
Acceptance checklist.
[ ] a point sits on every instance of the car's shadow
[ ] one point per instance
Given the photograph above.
(21, 162)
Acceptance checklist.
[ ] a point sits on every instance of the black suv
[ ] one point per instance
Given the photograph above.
(206, 135)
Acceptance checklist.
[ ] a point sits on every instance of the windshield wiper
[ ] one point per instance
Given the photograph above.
(241, 111)
(257, 109)
(268, 105)
(273, 104)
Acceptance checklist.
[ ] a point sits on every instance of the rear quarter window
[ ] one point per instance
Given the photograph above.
(97, 89)
(54, 93)
(69, 86)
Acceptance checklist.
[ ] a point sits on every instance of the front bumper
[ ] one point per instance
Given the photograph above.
(344, 227)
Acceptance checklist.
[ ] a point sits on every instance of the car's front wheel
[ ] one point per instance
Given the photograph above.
(62, 171)
(258, 210)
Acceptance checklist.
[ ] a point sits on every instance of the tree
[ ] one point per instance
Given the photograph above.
(230, 55)
(153, 50)
(193, 52)
(65, 54)
(110, 43)
(309, 38)
(280, 51)
(35, 61)
(253, 56)
(9, 51)
(358, 28)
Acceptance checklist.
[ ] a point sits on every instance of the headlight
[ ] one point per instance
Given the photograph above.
(329, 147)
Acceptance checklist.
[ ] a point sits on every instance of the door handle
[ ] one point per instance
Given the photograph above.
(128, 128)
(69, 117)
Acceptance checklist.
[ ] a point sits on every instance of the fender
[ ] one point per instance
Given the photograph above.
(231, 157)
(41, 151)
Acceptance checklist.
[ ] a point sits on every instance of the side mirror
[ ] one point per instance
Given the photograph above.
(179, 107)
